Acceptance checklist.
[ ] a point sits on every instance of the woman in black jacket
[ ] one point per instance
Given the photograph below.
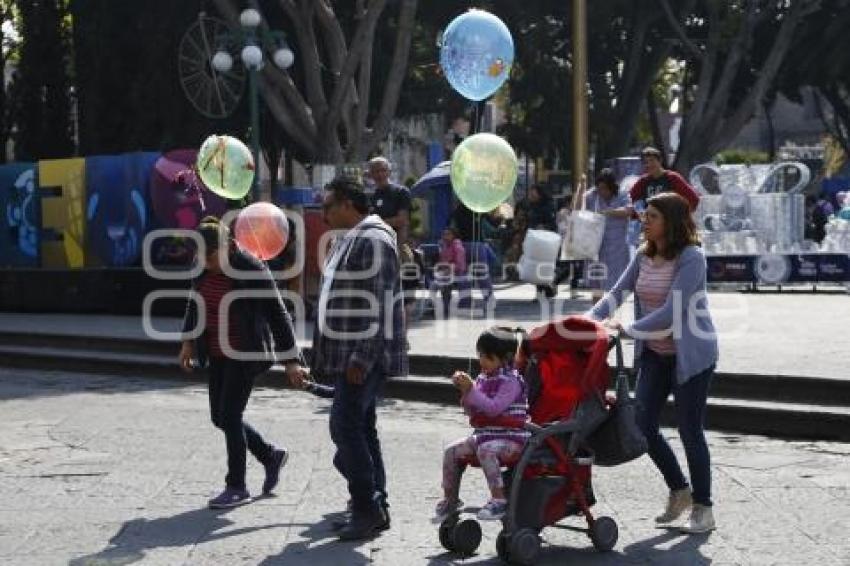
(236, 344)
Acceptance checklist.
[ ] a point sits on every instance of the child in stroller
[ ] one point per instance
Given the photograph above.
(498, 391)
(566, 368)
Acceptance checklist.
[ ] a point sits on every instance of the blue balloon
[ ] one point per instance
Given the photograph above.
(476, 54)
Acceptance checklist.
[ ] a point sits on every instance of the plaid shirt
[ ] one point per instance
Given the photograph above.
(363, 322)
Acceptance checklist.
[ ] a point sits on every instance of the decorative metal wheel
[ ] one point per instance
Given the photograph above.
(213, 93)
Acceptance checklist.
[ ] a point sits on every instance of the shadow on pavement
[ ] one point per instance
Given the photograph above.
(550, 554)
(138, 536)
(321, 547)
(687, 549)
(29, 383)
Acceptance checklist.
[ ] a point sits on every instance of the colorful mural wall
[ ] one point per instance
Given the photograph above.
(95, 211)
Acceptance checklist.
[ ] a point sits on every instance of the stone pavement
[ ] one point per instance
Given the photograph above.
(116, 470)
(788, 334)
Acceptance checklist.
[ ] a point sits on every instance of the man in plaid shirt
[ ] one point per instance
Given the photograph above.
(358, 343)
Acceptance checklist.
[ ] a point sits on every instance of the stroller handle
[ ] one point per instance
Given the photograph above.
(614, 342)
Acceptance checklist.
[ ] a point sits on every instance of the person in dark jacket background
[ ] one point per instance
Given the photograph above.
(539, 209)
(236, 345)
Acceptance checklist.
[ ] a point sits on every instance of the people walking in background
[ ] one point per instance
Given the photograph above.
(358, 342)
(253, 326)
(606, 199)
(675, 350)
(657, 180)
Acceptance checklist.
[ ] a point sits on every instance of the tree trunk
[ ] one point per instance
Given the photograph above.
(657, 135)
(714, 120)
(840, 128)
(638, 74)
(326, 119)
(771, 131)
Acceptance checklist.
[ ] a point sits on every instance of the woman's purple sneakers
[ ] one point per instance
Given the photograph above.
(230, 497)
(276, 462)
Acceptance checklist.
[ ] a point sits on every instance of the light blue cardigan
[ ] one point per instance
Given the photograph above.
(685, 311)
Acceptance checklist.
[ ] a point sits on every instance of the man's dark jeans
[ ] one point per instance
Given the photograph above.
(230, 387)
(354, 432)
(656, 380)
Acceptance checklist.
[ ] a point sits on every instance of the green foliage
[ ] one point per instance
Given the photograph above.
(744, 156)
(40, 91)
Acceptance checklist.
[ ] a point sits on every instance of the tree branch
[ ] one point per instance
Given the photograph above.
(720, 94)
(361, 109)
(295, 102)
(706, 76)
(337, 51)
(841, 116)
(768, 73)
(365, 29)
(679, 30)
(302, 19)
(282, 115)
(398, 70)
(631, 68)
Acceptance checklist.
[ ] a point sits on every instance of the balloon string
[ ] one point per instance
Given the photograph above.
(201, 198)
(476, 236)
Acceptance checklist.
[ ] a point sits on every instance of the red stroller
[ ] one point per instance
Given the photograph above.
(565, 365)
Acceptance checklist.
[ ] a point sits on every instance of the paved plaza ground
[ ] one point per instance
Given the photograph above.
(99, 470)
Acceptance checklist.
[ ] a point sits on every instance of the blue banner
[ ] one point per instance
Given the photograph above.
(779, 269)
(117, 206)
(20, 217)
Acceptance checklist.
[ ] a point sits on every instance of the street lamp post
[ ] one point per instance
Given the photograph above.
(251, 42)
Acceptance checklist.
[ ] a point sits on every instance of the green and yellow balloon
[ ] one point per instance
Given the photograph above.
(226, 166)
(484, 172)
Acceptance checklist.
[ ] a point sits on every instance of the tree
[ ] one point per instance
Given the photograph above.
(538, 103)
(820, 58)
(624, 63)
(8, 52)
(42, 84)
(629, 46)
(731, 71)
(324, 105)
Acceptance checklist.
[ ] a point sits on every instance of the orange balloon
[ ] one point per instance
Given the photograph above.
(262, 230)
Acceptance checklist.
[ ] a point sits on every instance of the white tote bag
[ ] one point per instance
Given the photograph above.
(585, 231)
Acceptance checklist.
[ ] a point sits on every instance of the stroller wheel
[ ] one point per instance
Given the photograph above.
(502, 546)
(604, 533)
(524, 547)
(466, 537)
(447, 533)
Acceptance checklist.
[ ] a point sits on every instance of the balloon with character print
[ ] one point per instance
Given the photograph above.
(476, 54)
(226, 166)
(484, 172)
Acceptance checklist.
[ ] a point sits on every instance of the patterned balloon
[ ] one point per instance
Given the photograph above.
(262, 230)
(484, 172)
(226, 166)
(477, 54)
